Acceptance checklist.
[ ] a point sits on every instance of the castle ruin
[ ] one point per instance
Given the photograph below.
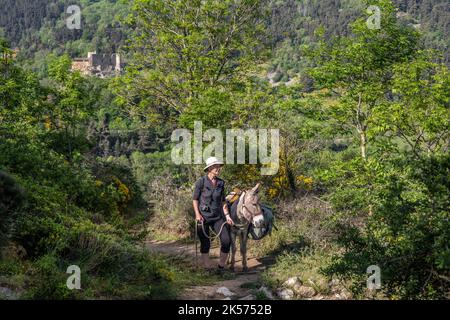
(100, 65)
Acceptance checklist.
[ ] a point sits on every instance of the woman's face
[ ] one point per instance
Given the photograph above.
(215, 169)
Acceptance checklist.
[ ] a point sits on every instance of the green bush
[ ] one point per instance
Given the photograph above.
(76, 213)
(407, 235)
(129, 273)
(47, 280)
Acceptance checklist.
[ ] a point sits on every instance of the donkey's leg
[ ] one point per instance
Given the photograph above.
(243, 238)
(233, 250)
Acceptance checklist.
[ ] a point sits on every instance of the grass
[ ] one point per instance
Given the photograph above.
(186, 275)
(251, 285)
(287, 237)
(24, 277)
(255, 286)
(306, 266)
(302, 246)
(162, 235)
(298, 255)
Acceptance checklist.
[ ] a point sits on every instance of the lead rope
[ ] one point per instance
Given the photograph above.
(217, 235)
(195, 240)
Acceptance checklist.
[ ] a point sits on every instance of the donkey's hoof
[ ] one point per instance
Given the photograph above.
(244, 269)
(232, 268)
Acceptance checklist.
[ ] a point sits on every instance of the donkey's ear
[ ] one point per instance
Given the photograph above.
(256, 188)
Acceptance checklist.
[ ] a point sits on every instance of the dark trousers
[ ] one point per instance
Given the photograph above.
(205, 242)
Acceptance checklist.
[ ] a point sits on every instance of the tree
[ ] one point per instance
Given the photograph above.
(22, 99)
(392, 95)
(358, 68)
(419, 112)
(72, 99)
(183, 48)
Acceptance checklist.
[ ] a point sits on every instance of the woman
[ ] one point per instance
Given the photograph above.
(211, 210)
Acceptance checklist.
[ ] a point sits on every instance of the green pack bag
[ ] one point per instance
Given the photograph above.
(259, 233)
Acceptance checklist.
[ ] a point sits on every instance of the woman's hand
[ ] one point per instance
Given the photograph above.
(199, 217)
(229, 220)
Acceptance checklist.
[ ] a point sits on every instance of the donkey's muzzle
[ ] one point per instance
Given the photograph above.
(258, 221)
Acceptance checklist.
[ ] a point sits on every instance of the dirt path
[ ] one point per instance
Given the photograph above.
(209, 292)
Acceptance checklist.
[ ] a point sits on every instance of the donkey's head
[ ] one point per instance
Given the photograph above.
(251, 210)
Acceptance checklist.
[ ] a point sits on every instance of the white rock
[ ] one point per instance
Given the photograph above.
(304, 291)
(334, 286)
(266, 292)
(291, 282)
(249, 297)
(224, 291)
(7, 293)
(345, 294)
(227, 298)
(285, 294)
(334, 283)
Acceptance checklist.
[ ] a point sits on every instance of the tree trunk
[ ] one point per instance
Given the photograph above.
(363, 144)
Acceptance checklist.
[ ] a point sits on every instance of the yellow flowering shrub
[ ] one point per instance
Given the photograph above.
(279, 184)
(98, 183)
(304, 182)
(48, 123)
(124, 191)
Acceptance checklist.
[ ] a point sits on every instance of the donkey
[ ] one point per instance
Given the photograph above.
(244, 211)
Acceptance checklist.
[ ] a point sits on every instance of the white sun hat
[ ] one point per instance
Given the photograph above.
(212, 161)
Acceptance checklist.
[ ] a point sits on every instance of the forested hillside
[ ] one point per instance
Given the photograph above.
(38, 26)
(87, 177)
(294, 23)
